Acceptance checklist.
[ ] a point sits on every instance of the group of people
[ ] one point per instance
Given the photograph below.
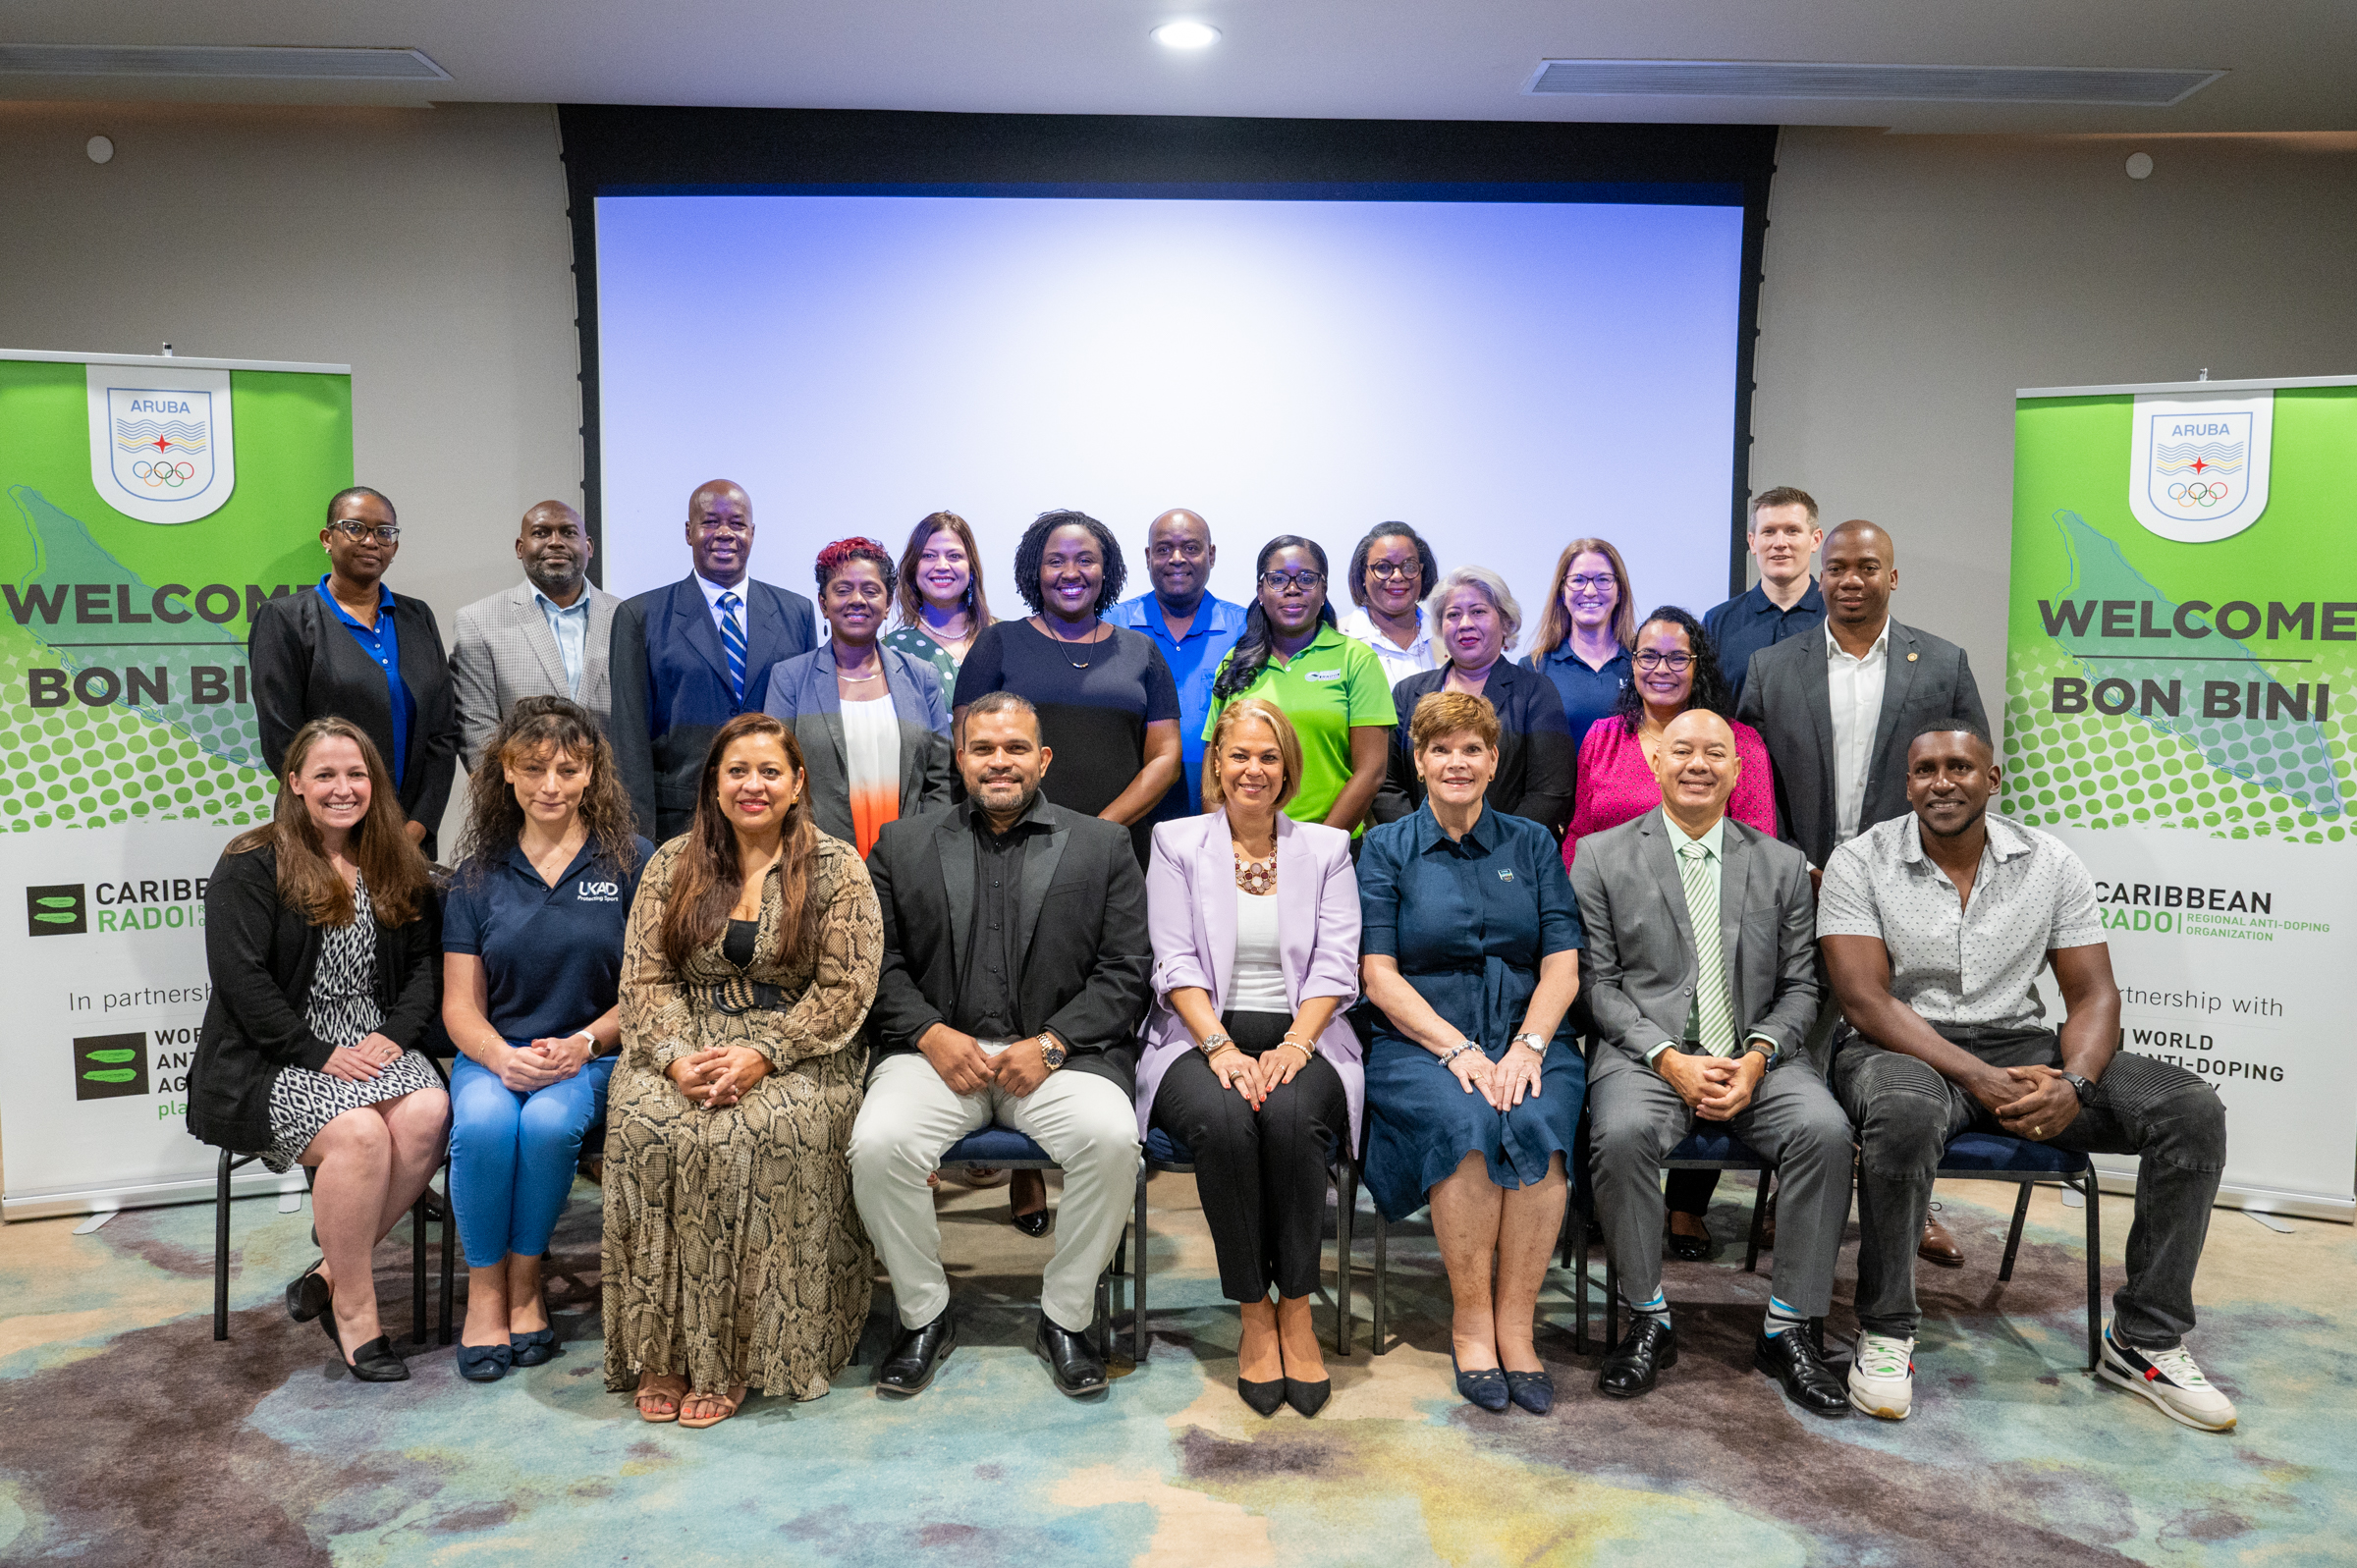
(791, 910)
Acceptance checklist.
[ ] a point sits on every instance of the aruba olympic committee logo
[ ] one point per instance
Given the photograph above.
(161, 446)
(61, 910)
(2198, 463)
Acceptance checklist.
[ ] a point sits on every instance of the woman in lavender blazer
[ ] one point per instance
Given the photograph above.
(1248, 1062)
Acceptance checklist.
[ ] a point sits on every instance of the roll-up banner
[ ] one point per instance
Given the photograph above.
(2180, 697)
(153, 503)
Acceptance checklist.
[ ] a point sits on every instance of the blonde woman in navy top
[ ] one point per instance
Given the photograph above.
(531, 941)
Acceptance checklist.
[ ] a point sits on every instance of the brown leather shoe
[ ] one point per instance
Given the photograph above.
(1938, 1246)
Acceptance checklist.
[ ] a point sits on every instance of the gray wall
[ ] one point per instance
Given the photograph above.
(1913, 283)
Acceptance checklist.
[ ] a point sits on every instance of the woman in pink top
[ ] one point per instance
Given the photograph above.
(1675, 668)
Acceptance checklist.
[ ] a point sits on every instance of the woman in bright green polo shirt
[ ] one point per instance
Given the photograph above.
(1330, 687)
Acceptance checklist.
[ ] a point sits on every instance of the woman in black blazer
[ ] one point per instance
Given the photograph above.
(352, 648)
(1475, 620)
(321, 938)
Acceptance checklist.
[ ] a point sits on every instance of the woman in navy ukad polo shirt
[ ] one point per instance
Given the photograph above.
(532, 943)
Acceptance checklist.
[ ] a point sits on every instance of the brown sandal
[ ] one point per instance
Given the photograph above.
(700, 1422)
(658, 1416)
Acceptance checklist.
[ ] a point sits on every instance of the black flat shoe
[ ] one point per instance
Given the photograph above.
(1033, 1224)
(375, 1361)
(1794, 1358)
(1688, 1249)
(307, 1296)
(1534, 1391)
(485, 1363)
(1484, 1386)
(916, 1355)
(1632, 1370)
(1308, 1398)
(534, 1348)
(1262, 1398)
(1071, 1359)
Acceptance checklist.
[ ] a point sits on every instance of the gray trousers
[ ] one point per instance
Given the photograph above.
(1906, 1113)
(1793, 1122)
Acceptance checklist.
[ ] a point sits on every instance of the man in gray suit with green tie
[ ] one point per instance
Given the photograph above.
(1700, 970)
(543, 638)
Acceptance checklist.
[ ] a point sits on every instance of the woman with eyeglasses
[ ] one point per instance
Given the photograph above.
(351, 648)
(1391, 571)
(1586, 633)
(1330, 687)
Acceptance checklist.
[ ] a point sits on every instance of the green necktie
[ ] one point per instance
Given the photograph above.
(1713, 1019)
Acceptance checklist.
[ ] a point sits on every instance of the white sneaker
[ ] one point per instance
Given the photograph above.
(1882, 1375)
(2169, 1380)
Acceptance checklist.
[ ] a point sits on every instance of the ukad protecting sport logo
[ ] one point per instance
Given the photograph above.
(2198, 463)
(160, 441)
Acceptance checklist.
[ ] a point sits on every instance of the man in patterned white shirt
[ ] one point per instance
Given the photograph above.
(1933, 927)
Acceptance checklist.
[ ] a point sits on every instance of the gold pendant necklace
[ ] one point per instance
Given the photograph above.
(1256, 876)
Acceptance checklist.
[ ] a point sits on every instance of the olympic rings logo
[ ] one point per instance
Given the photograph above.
(163, 472)
(2197, 493)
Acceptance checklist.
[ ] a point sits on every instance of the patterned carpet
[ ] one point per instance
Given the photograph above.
(128, 1436)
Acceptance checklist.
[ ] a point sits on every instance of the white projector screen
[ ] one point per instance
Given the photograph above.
(1506, 376)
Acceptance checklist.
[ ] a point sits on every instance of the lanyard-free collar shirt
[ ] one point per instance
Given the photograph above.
(1958, 963)
(382, 644)
(1194, 659)
(1330, 687)
(1855, 692)
(1751, 621)
(570, 625)
(552, 956)
(1589, 693)
(1397, 663)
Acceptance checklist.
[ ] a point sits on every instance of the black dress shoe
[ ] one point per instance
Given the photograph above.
(1687, 1249)
(307, 1296)
(916, 1355)
(1262, 1398)
(1485, 1387)
(1308, 1398)
(375, 1361)
(1072, 1361)
(1033, 1224)
(1634, 1368)
(1534, 1391)
(1794, 1358)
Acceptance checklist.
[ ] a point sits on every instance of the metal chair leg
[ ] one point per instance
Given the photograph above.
(420, 1330)
(1345, 1213)
(1611, 1299)
(2021, 1214)
(449, 1241)
(1383, 1230)
(221, 1249)
(2095, 1270)
(1137, 1279)
(1759, 1225)
(1575, 1259)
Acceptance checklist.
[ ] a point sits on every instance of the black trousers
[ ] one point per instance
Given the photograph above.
(1261, 1173)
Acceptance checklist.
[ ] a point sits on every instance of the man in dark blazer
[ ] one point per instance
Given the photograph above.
(1016, 974)
(689, 658)
(1842, 767)
(1701, 973)
(352, 648)
(546, 636)
(1839, 709)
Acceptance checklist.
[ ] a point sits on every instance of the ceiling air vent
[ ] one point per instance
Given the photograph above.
(174, 60)
(2127, 88)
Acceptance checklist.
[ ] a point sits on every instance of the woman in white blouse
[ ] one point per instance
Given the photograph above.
(1248, 1062)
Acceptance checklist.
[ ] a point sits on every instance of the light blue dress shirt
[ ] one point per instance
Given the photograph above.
(570, 625)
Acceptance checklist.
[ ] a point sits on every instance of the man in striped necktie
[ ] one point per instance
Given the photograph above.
(1701, 976)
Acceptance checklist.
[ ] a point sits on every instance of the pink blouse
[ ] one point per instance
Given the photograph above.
(1616, 786)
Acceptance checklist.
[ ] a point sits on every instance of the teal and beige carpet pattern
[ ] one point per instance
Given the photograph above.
(128, 1436)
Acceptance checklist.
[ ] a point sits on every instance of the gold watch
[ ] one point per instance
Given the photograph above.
(1050, 1052)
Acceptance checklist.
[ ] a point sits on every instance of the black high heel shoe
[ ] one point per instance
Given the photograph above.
(1262, 1398)
(1308, 1398)
(375, 1361)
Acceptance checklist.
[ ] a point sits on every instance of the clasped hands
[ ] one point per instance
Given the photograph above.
(363, 1061)
(547, 1060)
(968, 1069)
(1255, 1077)
(1504, 1082)
(1717, 1088)
(718, 1076)
(2033, 1103)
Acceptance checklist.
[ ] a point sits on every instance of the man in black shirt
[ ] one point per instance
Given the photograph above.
(1014, 975)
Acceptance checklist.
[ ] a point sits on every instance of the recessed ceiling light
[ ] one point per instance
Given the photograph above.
(1186, 36)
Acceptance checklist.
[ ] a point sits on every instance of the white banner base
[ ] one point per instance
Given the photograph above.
(251, 1181)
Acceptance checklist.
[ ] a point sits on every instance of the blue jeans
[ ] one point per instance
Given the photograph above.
(511, 1155)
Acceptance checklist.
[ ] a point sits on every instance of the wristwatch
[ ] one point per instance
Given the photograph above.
(1537, 1043)
(1214, 1044)
(2082, 1087)
(1050, 1052)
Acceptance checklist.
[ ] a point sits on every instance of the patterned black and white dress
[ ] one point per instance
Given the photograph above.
(342, 1012)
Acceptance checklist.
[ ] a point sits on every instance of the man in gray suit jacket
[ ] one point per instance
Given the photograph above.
(544, 638)
(1701, 976)
(1837, 710)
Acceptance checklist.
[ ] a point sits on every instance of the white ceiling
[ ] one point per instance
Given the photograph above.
(2293, 64)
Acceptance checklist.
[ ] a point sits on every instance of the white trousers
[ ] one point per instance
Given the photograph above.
(909, 1119)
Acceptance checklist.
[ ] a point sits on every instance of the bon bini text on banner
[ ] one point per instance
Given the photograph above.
(2183, 664)
(153, 504)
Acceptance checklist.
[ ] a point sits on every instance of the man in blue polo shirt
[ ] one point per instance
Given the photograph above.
(1786, 602)
(1194, 631)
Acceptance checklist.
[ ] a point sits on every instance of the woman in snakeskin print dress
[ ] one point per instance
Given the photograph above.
(734, 1258)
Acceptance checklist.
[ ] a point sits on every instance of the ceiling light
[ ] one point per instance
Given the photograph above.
(1186, 36)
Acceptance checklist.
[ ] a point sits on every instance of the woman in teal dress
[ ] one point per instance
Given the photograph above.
(1469, 946)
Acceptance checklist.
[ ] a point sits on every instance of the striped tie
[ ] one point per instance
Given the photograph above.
(732, 637)
(1712, 1020)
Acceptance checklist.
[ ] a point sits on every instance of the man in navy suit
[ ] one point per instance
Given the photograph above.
(689, 658)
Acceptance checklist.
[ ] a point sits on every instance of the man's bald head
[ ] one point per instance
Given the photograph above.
(1868, 535)
(555, 549)
(1179, 558)
(1696, 765)
(1861, 568)
(720, 531)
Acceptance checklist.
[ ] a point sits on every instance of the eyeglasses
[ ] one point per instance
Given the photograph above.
(1387, 569)
(1654, 659)
(382, 533)
(1278, 581)
(1187, 551)
(1595, 584)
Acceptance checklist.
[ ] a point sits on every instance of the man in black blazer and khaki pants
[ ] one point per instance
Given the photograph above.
(1838, 711)
(1015, 973)
(686, 659)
